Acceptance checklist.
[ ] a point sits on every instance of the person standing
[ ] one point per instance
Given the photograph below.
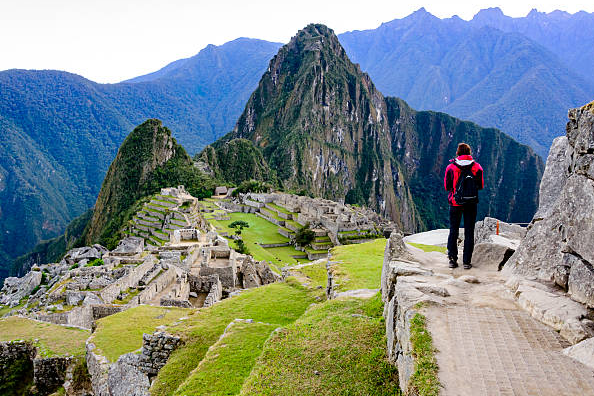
(463, 179)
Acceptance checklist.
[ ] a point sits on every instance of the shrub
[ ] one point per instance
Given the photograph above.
(304, 236)
(95, 263)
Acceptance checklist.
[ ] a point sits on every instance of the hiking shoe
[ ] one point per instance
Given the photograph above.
(467, 266)
(453, 263)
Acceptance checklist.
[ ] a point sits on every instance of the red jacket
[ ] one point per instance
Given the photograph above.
(453, 172)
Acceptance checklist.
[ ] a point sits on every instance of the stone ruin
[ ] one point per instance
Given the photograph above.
(194, 268)
(333, 223)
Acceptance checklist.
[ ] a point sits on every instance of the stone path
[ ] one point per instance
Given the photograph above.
(487, 351)
(488, 345)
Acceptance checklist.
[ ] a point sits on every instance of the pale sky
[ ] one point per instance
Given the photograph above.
(112, 40)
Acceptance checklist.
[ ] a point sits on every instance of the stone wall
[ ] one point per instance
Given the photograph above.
(402, 300)
(21, 369)
(154, 288)
(50, 373)
(112, 291)
(132, 373)
(215, 294)
(83, 317)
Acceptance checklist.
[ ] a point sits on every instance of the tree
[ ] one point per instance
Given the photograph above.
(304, 236)
(239, 225)
(241, 247)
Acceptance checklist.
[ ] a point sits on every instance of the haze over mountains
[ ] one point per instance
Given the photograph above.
(61, 131)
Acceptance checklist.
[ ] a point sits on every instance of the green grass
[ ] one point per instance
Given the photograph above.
(54, 340)
(260, 231)
(122, 332)
(229, 361)
(358, 266)
(429, 248)
(128, 298)
(4, 309)
(424, 380)
(328, 351)
(278, 303)
(317, 273)
(280, 209)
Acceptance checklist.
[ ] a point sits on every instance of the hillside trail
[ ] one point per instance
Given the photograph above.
(487, 344)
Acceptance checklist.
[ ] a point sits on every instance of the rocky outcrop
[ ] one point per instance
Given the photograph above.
(255, 274)
(496, 241)
(559, 246)
(16, 289)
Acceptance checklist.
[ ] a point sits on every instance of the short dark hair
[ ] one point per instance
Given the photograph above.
(463, 149)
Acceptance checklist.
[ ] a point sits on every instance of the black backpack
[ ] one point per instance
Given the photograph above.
(466, 189)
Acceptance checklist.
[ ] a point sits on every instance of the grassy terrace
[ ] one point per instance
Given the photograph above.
(359, 266)
(319, 348)
(229, 361)
(122, 333)
(260, 231)
(54, 340)
(279, 304)
(280, 209)
(327, 351)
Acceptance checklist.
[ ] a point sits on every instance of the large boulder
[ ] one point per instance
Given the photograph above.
(16, 289)
(485, 229)
(129, 246)
(496, 241)
(559, 247)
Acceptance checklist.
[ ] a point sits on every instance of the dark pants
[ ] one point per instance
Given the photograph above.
(456, 212)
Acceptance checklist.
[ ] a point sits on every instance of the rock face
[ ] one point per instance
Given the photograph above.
(17, 288)
(559, 245)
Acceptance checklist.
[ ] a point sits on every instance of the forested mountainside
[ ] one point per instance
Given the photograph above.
(474, 72)
(60, 132)
(322, 126)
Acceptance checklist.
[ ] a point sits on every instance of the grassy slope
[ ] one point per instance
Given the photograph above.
(278, 304)
(328, 351)
(260, 231)
(54, 340)
(229, 362)
(122, 333)
(358, 266)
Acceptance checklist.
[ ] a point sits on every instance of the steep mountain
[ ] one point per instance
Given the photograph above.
(560, 32)
(59, 132)
(148, 160)
(322, 126)
(479, 73)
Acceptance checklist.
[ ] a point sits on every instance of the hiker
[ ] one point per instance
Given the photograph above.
(463, 179)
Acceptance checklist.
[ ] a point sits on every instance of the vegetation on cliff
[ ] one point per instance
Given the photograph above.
(148, 160)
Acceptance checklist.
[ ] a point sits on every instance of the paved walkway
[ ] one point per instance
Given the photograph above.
(488, 345)
(486, 351)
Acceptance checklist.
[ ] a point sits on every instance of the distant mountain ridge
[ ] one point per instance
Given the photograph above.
(472, 71)
(558, 31)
